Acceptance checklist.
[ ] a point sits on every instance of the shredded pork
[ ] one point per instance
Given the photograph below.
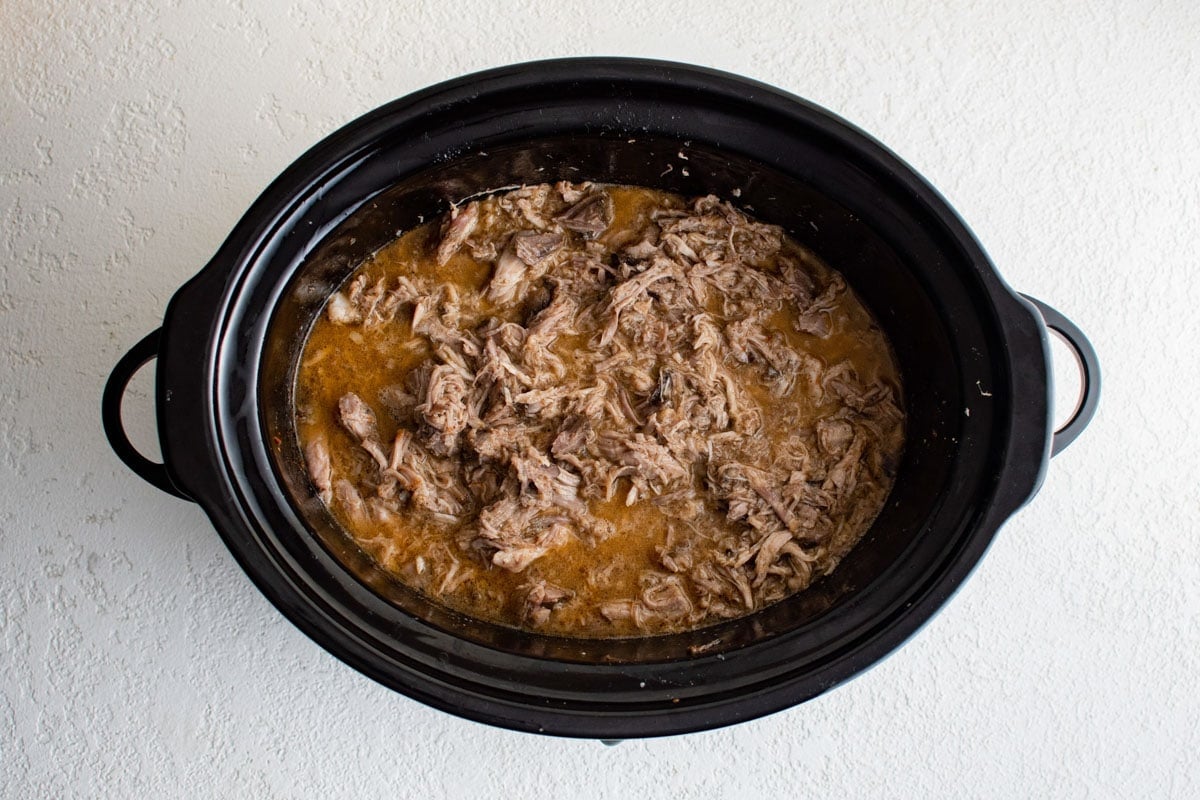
(674, 364)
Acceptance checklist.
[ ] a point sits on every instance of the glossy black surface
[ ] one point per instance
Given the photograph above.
(138, 356)
(964, 340)
(1089, 369)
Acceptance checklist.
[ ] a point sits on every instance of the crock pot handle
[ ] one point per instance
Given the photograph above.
(1089, 366)
(110, 413)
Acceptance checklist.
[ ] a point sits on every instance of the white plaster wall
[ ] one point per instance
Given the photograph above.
(136, 660)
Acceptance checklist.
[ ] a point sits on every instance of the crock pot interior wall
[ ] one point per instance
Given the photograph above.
(888, 257)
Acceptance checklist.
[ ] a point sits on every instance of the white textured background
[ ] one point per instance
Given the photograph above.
(136, 660)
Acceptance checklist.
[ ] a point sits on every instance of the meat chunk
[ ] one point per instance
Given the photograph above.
(351, 502)
(843, 476)
(763, 484)
(664, 599)
(499, 442)
(316, 454)
(522, 262)
(842, 383)
(591, 216)
(400, 403)
(768, 552)
(517, 558)
(667, 598)
(507, 278)
(542, 598)
(534, 248)
(519, 533)
(553, 484)
(341, 311)
(572, 437)
(815, 317)
(431, 484)
(531, 206)
(458, 228)
(445, 409)
(716, 231)
(650, 459)
(448, 341)
(554, 320)
(371, 304)
(750, 343)
(641, 251)
(358, 418)
(571, 192)
(625, 296)
(834, 435)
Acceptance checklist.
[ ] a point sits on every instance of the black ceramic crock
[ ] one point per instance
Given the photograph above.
(973, 355)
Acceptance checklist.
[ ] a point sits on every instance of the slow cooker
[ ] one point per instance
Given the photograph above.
(973, 354)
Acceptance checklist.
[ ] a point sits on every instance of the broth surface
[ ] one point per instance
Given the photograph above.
(599, 411)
